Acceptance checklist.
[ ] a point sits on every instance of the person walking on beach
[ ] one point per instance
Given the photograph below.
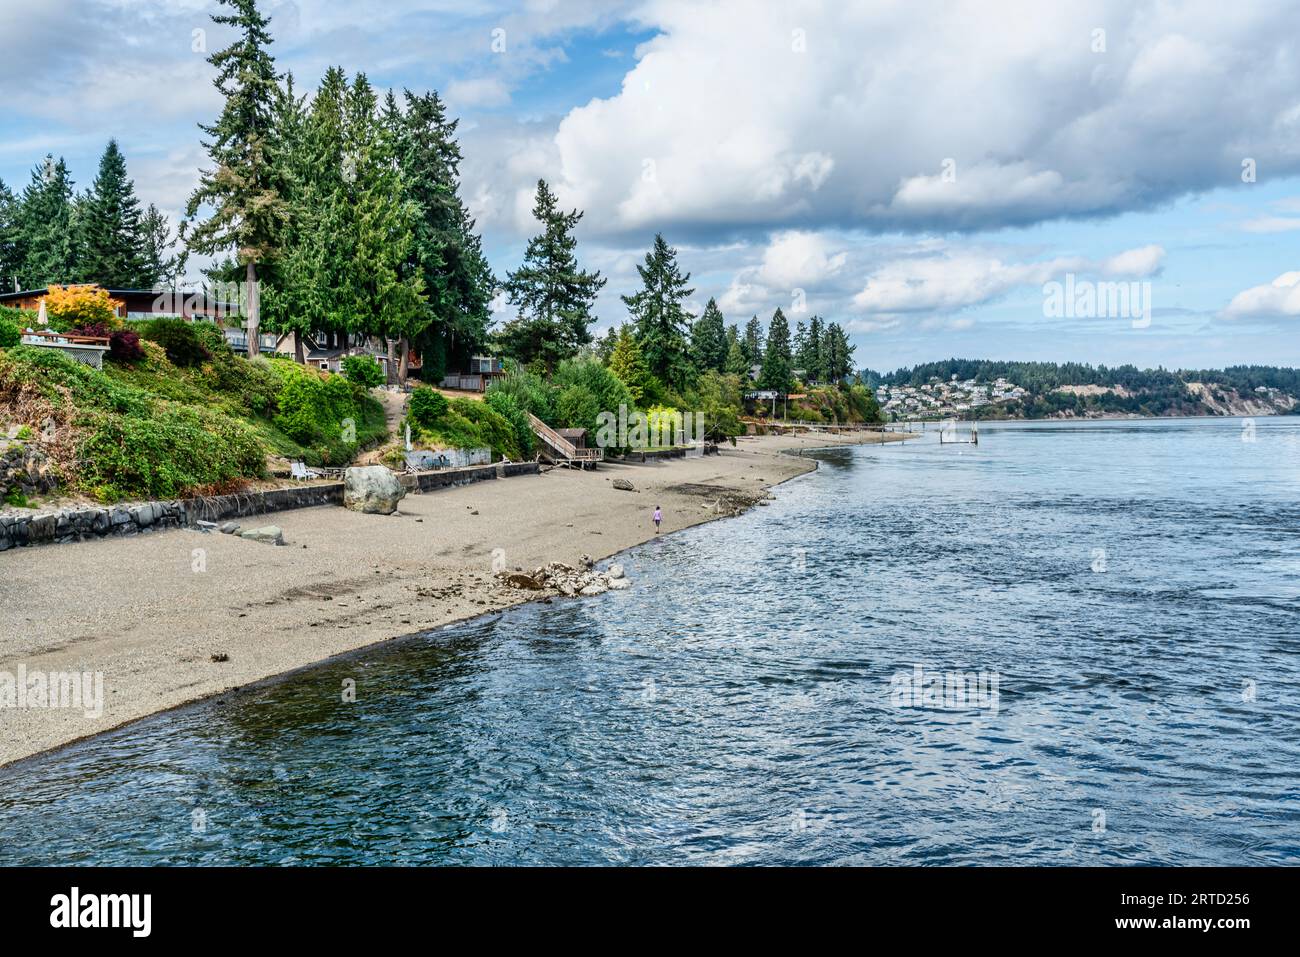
(658, 517)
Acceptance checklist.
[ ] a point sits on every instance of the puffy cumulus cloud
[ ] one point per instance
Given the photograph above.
(792, 268)
(956, 279)
(929, 115)
(1277, 299)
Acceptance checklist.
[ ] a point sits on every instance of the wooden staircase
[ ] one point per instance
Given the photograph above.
(559, 450)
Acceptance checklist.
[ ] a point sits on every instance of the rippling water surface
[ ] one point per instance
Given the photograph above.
(1133, 588)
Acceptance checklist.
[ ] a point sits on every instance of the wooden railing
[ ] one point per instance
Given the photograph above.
(67, 338)
(562, 448)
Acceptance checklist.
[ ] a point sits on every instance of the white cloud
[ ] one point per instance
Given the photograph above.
(480, 91)
(1280, 298)
(958, 279)
(744, 130)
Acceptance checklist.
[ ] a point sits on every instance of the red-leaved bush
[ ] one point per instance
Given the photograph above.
(123, 345)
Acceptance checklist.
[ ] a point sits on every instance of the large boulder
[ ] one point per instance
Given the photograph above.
(373, 489)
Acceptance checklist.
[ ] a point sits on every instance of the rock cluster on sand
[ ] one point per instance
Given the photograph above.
(373, 489)
(569, 581)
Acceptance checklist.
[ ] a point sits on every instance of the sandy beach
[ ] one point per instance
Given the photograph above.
(151, 612)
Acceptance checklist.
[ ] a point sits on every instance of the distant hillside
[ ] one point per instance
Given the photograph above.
(1075, 390)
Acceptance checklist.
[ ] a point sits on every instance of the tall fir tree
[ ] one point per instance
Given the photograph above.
(775, 373)
(385, 298)
(297, 294)
(737, 362)
(45, 235)
(110, 236)
(709, 340)
(661, 320)
(8, 238)
(799, 345)
(752, 342)
(838, 352)
(448, 253)
(809, 357)
(553, 296)
(163, 266)
(248, 213)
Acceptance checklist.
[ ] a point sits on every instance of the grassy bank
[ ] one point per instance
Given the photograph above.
(186, 417)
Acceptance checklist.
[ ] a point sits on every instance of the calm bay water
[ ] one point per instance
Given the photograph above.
(1133, 588)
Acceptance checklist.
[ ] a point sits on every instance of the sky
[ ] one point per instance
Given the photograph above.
(931, 175)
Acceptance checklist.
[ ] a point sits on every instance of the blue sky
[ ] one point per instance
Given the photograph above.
(915, 171)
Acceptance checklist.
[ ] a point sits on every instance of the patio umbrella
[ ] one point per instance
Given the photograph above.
(42, 320)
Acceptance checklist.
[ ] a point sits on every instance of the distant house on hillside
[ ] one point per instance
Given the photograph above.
(137, 303)
(482, 370)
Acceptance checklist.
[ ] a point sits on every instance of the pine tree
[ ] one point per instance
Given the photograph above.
(45, 245)
(709, 340)
(162, 266)
(248, 212)
(448, 253)
(554, 297)
(297, 295)
(776, 356)
(810, 356)
(737, 362)
(838, 354)
(799, 346)
(661, 321)
(385, 298)
(110, 239)
(8, 238)
(753, 341)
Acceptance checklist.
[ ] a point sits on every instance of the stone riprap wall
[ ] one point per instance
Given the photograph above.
(25, 469)
(86, 522)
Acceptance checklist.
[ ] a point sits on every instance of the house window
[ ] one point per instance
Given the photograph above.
(325, 366)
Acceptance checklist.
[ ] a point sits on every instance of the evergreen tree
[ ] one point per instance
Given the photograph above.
(628, 363)
(776, 356)
(709, 340)
(753, 341)
(737, 362)
(385, 299)
(448, 253)
(9, 259)
(799, 346)
(554, 297)
(162, 266)
(810, 358)
(297, 293)
(838, 354)
(661, 321)
(110, 232)
(45, 246)
(248, 212)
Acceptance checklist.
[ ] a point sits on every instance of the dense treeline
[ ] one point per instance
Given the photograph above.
(50, 233)
(1151, 392)
(339, 212)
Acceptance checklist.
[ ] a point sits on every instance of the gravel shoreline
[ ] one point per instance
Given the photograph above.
(180, 616)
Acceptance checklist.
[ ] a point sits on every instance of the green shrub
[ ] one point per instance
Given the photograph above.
(175, 450)
(426, 407)
(322, 411)
(184, 341)
(9, 334)
(364, 371)
(530, 391)
(587, 388)
(507, 406)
